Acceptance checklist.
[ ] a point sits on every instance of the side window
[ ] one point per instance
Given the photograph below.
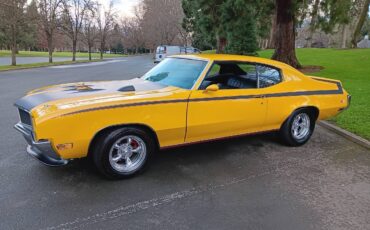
(241, 75)
(214, 70)
(231, 75)
(268, 76)
(248, 77)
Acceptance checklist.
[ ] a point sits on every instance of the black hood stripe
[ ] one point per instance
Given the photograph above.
(76, 90)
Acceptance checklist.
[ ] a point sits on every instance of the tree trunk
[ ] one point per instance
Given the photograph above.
(101, 50)
(74, 48)
(344, 37)
(90, 52)
(14, 46)
(50, 48)
(271, 42)
(285, 34)
(360, 23)
(221, 43)
(14, 54)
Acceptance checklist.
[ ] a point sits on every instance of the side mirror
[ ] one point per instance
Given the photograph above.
(212, 88)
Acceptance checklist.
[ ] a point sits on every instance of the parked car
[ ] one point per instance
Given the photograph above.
(164, 51)
(183, 100)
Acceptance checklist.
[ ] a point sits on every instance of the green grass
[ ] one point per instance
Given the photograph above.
(352, 67)
(43, 64)
(6, 53)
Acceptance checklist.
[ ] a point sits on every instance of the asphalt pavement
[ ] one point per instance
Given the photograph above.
(246, 183)
(30, 60)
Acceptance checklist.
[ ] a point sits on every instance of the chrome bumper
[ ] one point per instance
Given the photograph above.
(349, 98)
(42, 150)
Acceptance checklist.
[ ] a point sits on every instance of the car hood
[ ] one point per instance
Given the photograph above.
(88, 91)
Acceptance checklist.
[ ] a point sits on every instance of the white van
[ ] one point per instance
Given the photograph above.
(163, 51)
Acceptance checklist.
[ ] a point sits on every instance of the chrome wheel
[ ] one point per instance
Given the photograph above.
(127, 154)
(300, 126)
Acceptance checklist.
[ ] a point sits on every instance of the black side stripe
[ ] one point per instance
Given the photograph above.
(127, 105)
(271, 95)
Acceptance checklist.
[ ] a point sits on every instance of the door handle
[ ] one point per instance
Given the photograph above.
(259, 96)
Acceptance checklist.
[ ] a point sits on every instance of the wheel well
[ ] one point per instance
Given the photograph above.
(314, 111)
(112, 128)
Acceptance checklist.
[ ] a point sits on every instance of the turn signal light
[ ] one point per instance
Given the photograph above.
(65, 146)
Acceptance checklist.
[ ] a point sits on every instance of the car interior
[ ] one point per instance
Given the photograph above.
(232, 75)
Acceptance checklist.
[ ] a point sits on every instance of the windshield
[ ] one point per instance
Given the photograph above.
(179, 72)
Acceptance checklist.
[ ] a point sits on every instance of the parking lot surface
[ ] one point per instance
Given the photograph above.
(246, 183)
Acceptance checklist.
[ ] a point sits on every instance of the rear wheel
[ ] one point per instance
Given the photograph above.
(123, 152)
(298, 128)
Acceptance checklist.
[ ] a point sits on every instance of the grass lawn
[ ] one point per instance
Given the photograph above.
(43, 64)
(352, 67)
(6, 53)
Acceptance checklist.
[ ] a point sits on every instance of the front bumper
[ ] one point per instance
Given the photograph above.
(42, 150)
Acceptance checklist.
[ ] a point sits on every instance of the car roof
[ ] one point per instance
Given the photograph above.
(232, 57)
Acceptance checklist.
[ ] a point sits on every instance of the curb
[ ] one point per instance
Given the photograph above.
(350, 136)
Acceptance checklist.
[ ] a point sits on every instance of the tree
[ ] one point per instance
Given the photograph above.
(161, 20)
(240, 27)
(233, 26)
(14, 24)
(105, 19)
(132, 31)
(314, 21)
(74, 13)
(29, 39)
(285, 33)
(209, 22)
(202, 37)
(360, 23)
(48, 10)
(89, 29)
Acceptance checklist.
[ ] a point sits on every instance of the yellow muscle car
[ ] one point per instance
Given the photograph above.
(183, 100)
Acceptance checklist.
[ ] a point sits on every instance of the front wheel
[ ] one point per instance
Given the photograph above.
(123, 152)
(298, 128)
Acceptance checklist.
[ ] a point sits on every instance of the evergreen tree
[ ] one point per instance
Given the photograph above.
(230, 25)
(240, 26)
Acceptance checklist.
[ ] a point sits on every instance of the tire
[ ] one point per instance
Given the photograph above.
(123, 153)
(298, 128)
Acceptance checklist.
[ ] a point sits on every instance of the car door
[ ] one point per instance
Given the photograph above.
(226, 112)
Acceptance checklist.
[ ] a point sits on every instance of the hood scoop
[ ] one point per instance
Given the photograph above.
(128, 88)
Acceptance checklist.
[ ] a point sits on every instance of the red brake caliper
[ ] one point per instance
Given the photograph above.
(134, 144)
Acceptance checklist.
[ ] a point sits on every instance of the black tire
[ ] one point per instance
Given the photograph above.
(102, 155)
(286, 133)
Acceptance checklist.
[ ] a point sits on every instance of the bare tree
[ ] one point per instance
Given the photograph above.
(89, 29)
(161, 21)
(13, 16)
(48, 10)
(74, 13)
(105, 19)
(132, 29)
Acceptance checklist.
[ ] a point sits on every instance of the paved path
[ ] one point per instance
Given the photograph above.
(30, 60)
(246, 183)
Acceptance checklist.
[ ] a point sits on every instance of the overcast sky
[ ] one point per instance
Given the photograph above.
(122, 7)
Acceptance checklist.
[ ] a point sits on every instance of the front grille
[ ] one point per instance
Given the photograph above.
(25, 117)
